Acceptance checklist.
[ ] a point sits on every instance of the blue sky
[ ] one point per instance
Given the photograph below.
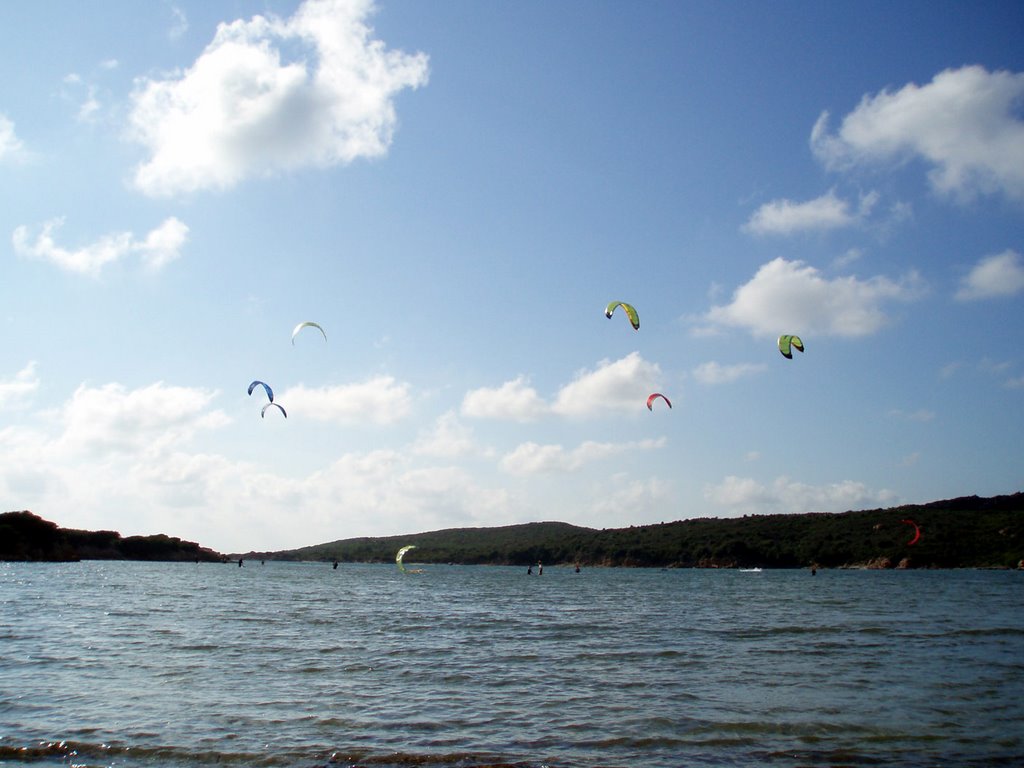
(454, 191)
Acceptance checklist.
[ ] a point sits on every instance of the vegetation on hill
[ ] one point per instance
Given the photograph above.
(968, 532)
(24, 536)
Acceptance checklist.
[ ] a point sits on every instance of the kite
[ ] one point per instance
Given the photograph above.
(400, 555)
(650, 401)
(634, 318)
(917, 532)
(789, 342)
(310, 324)
(270, 392)
(263, 413)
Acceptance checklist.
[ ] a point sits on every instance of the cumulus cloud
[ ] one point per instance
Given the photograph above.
(783, 217)
(515, 400)
(629, 494)
(613, 385)
(715, 373)
(126, 459)
(380, 400)
(993, 277)
(112, 419)
(159, 247)
(17, 389)
(448, 438)
(11, 147)
(271, 95)
(966, 124)
(532, 458)
(786, 295)
(744, 495)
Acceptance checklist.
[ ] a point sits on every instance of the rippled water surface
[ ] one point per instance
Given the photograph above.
(286, 664)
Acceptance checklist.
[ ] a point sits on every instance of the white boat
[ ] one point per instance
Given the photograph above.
(750, 570)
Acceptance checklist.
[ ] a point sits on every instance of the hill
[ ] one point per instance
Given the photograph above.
(967, 532)
(24, 536)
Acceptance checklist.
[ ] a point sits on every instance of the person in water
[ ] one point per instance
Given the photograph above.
(529, 570)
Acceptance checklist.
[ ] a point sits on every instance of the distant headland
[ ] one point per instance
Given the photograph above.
(25, 536)
(966, 532)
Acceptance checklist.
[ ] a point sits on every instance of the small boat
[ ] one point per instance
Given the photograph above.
(750, 570)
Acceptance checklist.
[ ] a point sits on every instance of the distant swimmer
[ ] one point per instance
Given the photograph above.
(239, 562)
(529, 570)
(577, 567)
(540, 569)
(335, 565)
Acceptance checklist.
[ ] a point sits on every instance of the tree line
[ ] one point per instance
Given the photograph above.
(25, 536)
(967, 532)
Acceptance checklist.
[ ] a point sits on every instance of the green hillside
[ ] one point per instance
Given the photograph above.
(968, 532)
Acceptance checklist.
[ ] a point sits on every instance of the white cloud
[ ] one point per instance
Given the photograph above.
(383, 492)
(245, 108)
(950, 369)
(159, 247)
(11, 147)
(179, 23)
(124, 459)
(18, 389)
(993, 277)
(783, 217)
(114, 420)
(90, 107)
(381, 400)
(532, 459)
(515, 400)
(909, 460)
(965, 123)
(163, 244)
(793, 297)
(626, 494)
(620, 385)
(613, 385)
(744, 495)
(448, 438)
(715, 373)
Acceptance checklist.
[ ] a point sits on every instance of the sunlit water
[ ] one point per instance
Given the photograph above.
(135, 664)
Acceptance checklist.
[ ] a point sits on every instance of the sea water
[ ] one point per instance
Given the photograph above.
(301, 664)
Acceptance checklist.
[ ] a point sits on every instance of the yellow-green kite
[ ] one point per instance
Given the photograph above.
(631, 313)
(787, 343)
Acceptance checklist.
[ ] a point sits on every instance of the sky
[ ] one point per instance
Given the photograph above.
(454, 191)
